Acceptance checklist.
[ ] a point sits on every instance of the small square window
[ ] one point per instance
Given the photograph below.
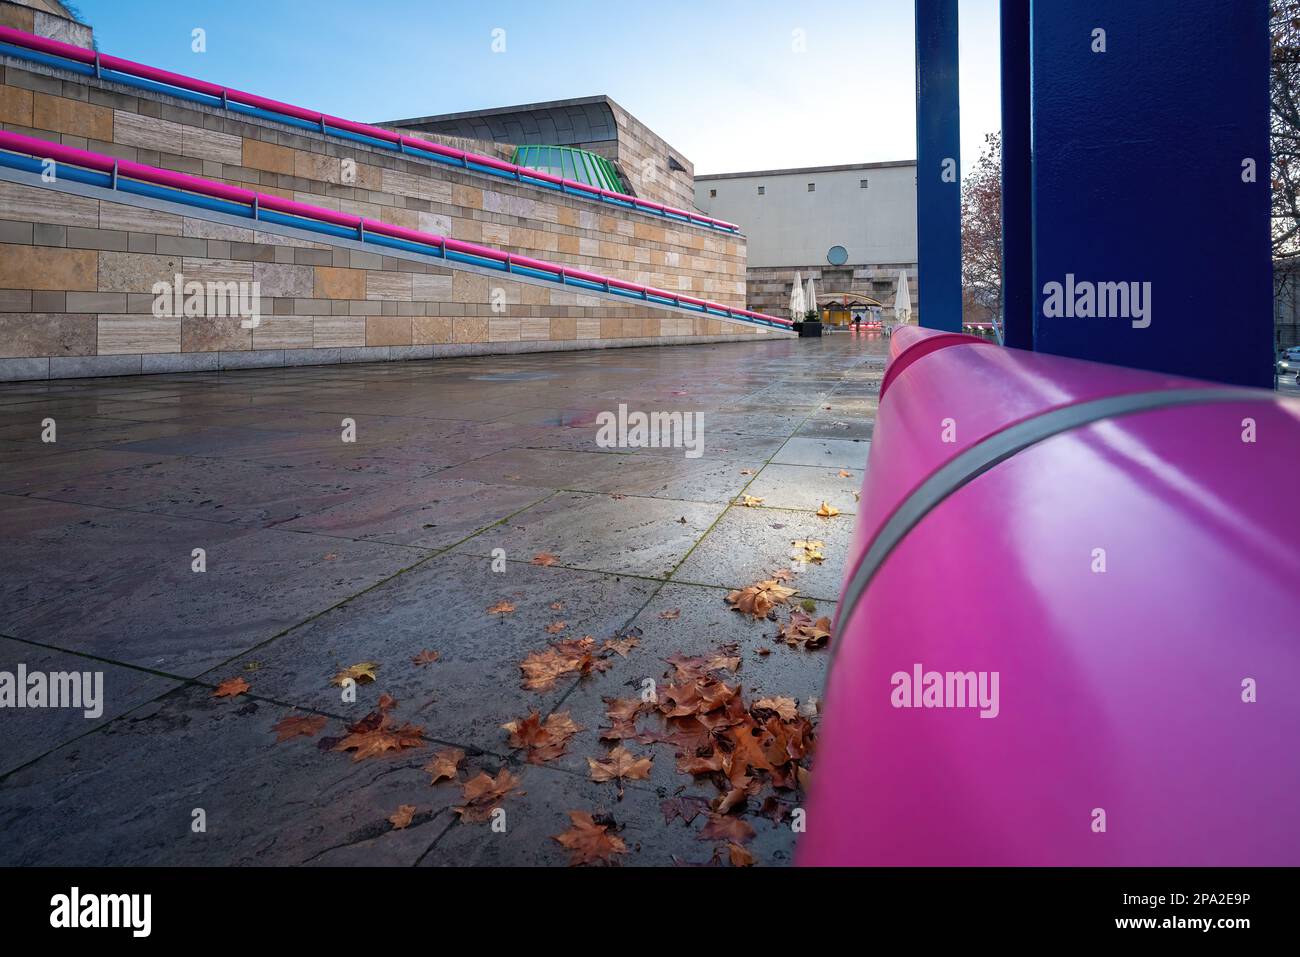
(862, 183)
(812, 187)
(713, 193)
(762, 190)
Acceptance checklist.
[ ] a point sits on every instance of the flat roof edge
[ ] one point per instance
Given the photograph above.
(805, 169)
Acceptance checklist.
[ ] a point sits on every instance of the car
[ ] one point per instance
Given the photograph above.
(1289, 363)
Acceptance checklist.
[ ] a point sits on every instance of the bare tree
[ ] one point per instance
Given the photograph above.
(981, 233)
(1285, 125)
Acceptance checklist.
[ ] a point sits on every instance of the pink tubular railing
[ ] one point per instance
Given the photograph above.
(43, 149)
(67, 51)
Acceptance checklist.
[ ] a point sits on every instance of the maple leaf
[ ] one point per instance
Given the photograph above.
(759, 600)
(687, 807)
(425, 658)
(546, 740)
(726, 827)
(557, 606)
(377, 733)
(787, 708)
(545, 558)
(230, 688)
(542, 668)
(445, 764)
(621, 644)
(589, 842)
(483, 792)
(306, 726)
(672, 614)
(807, 550)
(402, 816)
(621, 765)
(783, 575)
(827, 511)
(622, 713)
(362, 674)
(502, 607)
(555, 627)
(739, 856)
(750, 501)
(802, 631)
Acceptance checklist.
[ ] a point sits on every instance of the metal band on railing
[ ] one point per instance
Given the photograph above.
(188, 188)
(97, 63)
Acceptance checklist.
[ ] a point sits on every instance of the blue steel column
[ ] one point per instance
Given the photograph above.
(938, 166)
(1017, 172)
(1151, 177)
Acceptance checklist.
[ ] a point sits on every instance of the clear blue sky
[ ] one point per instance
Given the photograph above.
(721, 80)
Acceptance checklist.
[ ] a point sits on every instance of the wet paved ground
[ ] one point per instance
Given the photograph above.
(321, 554)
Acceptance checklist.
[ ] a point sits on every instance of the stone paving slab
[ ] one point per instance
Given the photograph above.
(806, 487)
(323, 554)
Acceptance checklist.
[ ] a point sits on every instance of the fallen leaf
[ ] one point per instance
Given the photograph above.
(807, 550)
(746, 471)
(445, 764)
(759, 600)
(425, 658)
(555, 627)
(750, 501)
(738, 856)
(362, 674)
(687, 807)
(230, 688)
(557, 606)
(845, 473)
(402, 816)
(330, 556)
(787, 708)
(483, 792)
(541, 668)
(295, 726)
(502, 607)
(623, 642)
(802, 631)
(672, 614)
(783, 575)
(827, 511)
(621, 765)
(726, 827)
(589, 842)
(545, 558)
(545, 740)
(377, 733)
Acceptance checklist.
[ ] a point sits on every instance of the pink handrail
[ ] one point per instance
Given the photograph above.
(179, 80)
(43, 149)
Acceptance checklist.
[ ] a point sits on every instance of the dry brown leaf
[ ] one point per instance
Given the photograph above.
(827, 511)
(555, 627)
(402, 816)
(759, 600)
(445, 765)
(541, 668)
(483, 792)
(295, 726)
(845, 473)
(362, 674)
(621, 765)
(425, 657)
(230, 688)
(739, 856)
(502, 607)
(787, 708)
(621, 646)
(545, 558)
(672, 614)
(545, 740)
(589, 842)
(557, 606)
(726, 827)
(803, 631)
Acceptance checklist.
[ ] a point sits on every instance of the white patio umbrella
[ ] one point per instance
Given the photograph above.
(902, 299)
(797, 307)
(810, 296)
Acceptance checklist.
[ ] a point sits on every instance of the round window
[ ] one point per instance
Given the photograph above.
(837, 255)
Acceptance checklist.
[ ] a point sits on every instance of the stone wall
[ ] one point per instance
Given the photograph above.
(769, 288)
(78, 266)
(643, 157)
(45, 18)
(419, 194)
